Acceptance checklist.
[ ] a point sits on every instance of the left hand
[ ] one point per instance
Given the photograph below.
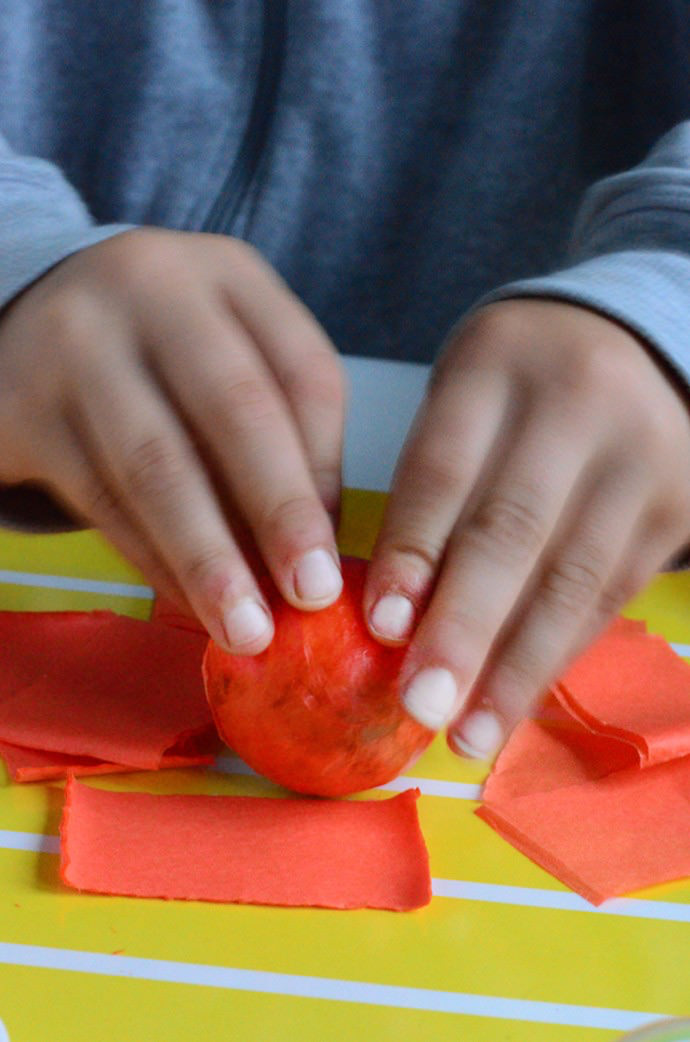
(545, 480)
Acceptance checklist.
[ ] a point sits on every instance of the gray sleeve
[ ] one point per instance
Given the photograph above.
(42, 221)
(629, 256)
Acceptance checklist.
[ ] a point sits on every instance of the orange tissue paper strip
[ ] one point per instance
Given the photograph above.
(632, 686)
(29, 765)
(101, 686)
(597, 790)
(308, 852)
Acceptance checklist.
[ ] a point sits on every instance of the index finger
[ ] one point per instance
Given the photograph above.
(448, 448)
(490, 562)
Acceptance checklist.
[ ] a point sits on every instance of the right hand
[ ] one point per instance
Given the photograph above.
(169, 389)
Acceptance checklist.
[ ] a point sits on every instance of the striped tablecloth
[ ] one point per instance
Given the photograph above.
(503, 952)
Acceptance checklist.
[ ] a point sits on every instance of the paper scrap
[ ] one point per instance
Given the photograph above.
(100, 685)
(632, 686)
(302, 852)
(597, 790)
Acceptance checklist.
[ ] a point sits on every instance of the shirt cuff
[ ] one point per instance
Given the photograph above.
(26, 260)
(648, 291)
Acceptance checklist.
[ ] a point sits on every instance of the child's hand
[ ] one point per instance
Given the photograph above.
(546, 478)
(168, 388)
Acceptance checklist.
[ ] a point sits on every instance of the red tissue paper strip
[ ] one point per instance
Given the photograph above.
(102, 686)
(594, 797)
(299, 852)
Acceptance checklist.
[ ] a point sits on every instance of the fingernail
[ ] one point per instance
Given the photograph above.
(246, 623)
(392, 616)
(431, 697)
(480, 735)
(317, 577)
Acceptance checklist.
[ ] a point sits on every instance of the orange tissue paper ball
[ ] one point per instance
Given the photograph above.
(319, 711)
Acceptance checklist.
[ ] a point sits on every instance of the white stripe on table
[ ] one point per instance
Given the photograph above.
(67, 582)
(427, 786)
(457, 889)
(565, 901)
(116, 589)
(10, 840)
(330, 989)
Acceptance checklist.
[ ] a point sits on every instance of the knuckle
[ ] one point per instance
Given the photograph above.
(296, 517)
(235, 258)
(154, 258)
(669, 519)
(509, 526)
(438, 473)
(447, 365)
(205, 568)
(69, 318)
(153, 467)
(516, 682)
(451, 633)
(592, 376)
(240, 251)
(494, 324)
(474, 633)
(571, 584)
(493, 329)
(243, 402)
(320, 379)
(658, 432)
(99, 502)
(25, 432)
(328, 482)
(413, 556)
(613, 597)
(462, 352)
(584, 375)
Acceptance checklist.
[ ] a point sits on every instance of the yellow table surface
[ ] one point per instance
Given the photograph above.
(503, 952)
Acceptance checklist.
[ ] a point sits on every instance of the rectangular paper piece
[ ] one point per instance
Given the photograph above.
(597, 790)
(304, 852)
(79, 689)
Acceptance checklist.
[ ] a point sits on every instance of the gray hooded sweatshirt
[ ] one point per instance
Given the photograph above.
(396, 160)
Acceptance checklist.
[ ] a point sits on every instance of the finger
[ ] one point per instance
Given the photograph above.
(304, 363)
(448, 448)
(645, 557)
(74, 483)
(584, 579)
(148, 463)
(488, 564)
(230, 398)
